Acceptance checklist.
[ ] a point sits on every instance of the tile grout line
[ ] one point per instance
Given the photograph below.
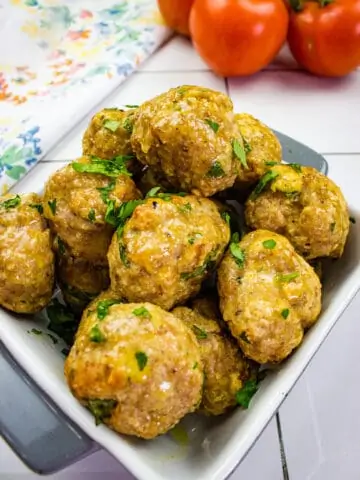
(284, 464)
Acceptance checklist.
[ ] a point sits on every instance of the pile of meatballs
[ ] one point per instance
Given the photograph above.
(178, 305)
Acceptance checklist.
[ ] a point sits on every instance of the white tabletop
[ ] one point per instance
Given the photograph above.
(319, 422)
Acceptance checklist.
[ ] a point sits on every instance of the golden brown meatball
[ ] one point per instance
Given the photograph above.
(225, 368)
(187, 135)
(108, 136)
(261, 147)
(136, 367)
(26, 258)
(268, 295)
(80, 281)
(150, 179)
(305, 206)
(76, 204)
(166, 249)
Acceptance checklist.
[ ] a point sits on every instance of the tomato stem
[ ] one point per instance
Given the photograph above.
(297, 5)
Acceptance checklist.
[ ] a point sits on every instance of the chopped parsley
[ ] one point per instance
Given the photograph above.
(239, 152)
(225, 216)
(141, 359)
(38, 207)
(142, 312)
(132, 106)
(213, 125)
(263, 183)
(196, 364)
(352, 220)
(112, 125)
(236, 251)
(199, 332)
(272, 164)
(295, 166)
(102, 308)
(96, 335)
(269, 244)
(193, 238)
(152, 192)
(185, 208)
(11, 202)
(101, 409)
(245, 394)
(247, 146)
(52, 205)
(285, 313)
(244, 337)
(332, 226)
(105, 191)
(127, 209)
(128, 125)
(216, 170)
(286, 278)
(60, 246)
(62, 321)
(208, 265)
(35, 331)
(123, 256)
(92, 215)
(109, 168)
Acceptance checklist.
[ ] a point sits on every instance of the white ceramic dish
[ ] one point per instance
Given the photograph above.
(215, 446)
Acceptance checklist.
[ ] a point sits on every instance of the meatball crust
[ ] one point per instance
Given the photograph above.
(108, 135)
(186, 135)
(268, 295)
(225, 368)
(75, 205)
(306, 207)
(167, 248)
(26, 258)
(80, 281)
(134, 368)
(261, 146)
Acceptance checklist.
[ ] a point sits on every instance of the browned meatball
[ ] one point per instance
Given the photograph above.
(268, 295)
(26, 258)
(187, 135)
(76, 205)
(166, 249)
(225, 368)
(136, 367)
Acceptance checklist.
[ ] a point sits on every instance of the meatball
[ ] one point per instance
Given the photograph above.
(108, 135)
(268, 295)
(80, 281)
(225, 368)
(77, 204)
(187, 135)
(166, 249)
(303, 205)
(26, 258)
(136, 367)
(150, 179)
(261, 147)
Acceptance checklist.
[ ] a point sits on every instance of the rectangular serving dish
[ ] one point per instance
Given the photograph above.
(216, 445)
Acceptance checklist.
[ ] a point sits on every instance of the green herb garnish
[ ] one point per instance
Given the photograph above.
(35, 331)
(152, 193)
(295, 166)
(213, 125)
(60, 245)
(92, 215)
(216, 170)
(38, 207)
(52, 205)
(244, 337)
(192, 239)
(185, 208)
(195, 365)
(11, 202)
(96, 335)
(109, 168)
(272, 164)
(245, 394)
(237, 252)
(141, 359)
(142, 312)
(128, 125)
(111, 125)
(62, 321)
(269, 244)
(101, 409)
(105, 191)
(207, 266)
(123, 256)
(225, 216)
(285, 313)
(332, 226)
(247, 146)
(239, 152)
(263, 182)
(287, 277)
(199, 332)
(102, 308)
(132, 106)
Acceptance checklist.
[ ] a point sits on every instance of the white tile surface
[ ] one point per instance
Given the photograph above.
(323, 113)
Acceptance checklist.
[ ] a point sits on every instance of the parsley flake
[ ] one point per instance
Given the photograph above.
(105, 191)
(285, 313)
(332, 226)
(96, 335)
(216, 170)
(244, 337)
(123, 256)
(236, 251)
(111, 125)
(269, 244)
(213, 125)
(60, 245)
(295, 166)
(263, 182)
(141, 359)
(185, 208)
(128, 125)
(199, 332)
(239, 152)
(225, 216)
(35, 331)
(62, 321)
(287, 277)
(247, 146)
(11, 202)
(207, 266)
(152, 193)
(245, 394)
(38, 207)
(102, 308)
(109, 168)
(92, 215)
(132, 106)
(101, 409)
(142, 312)
(52, 205)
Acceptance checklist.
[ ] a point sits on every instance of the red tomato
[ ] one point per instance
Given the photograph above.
(326, 39)
(238, 37)
(176, 14)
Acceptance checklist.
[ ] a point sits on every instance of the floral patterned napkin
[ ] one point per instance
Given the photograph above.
(59, 58)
